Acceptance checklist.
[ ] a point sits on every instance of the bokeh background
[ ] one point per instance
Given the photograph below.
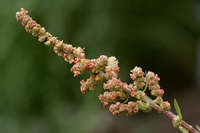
(38, 93)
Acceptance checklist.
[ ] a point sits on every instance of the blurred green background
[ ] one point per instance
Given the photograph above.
(38, 93)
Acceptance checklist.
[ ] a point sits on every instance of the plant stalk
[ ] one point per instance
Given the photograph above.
(169, 114)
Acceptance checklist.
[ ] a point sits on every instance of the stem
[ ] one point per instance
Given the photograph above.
(169, 114)
(147, 82)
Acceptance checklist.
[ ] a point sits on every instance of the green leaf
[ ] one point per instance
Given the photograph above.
(183, 130)
(177, 108)
(198, 128)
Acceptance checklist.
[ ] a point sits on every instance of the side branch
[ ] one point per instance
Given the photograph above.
(169, 114)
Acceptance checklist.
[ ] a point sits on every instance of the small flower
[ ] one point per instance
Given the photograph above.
(137, 75)
(113, 85)
(51, 41)
(58, 48)
(128, 109)
(140, 95)
(159, 92)
(158, 100)
(78, 53)
(43, 37)
(25, 20)
(21, 14)
(108, 97)
(165, 106)
(112, 68)
(100, 64)
(153, 80)
(90, 83)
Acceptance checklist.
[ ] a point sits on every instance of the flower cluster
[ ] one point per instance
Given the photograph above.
(93, 65)
(121, 97)
(91, 82)
(112, 68)
(137, 75)
(114, 84)
(71, 54)
(129, 109)
(113, 92)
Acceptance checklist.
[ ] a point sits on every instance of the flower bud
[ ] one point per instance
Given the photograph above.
(138, 76)
(159, 92)
(136, 73)
(58, 48)
(128, 109)
(112, 68)
(165, 106)
(51, 41)
(42, 38)
(113, 85)
(158, 100)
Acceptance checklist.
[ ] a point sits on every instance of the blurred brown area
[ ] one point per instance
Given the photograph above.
(38, 92)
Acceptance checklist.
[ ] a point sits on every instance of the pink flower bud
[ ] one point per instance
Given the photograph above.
(159, 92)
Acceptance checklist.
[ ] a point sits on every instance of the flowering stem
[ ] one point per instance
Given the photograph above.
(105, 69)
(169, 114)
